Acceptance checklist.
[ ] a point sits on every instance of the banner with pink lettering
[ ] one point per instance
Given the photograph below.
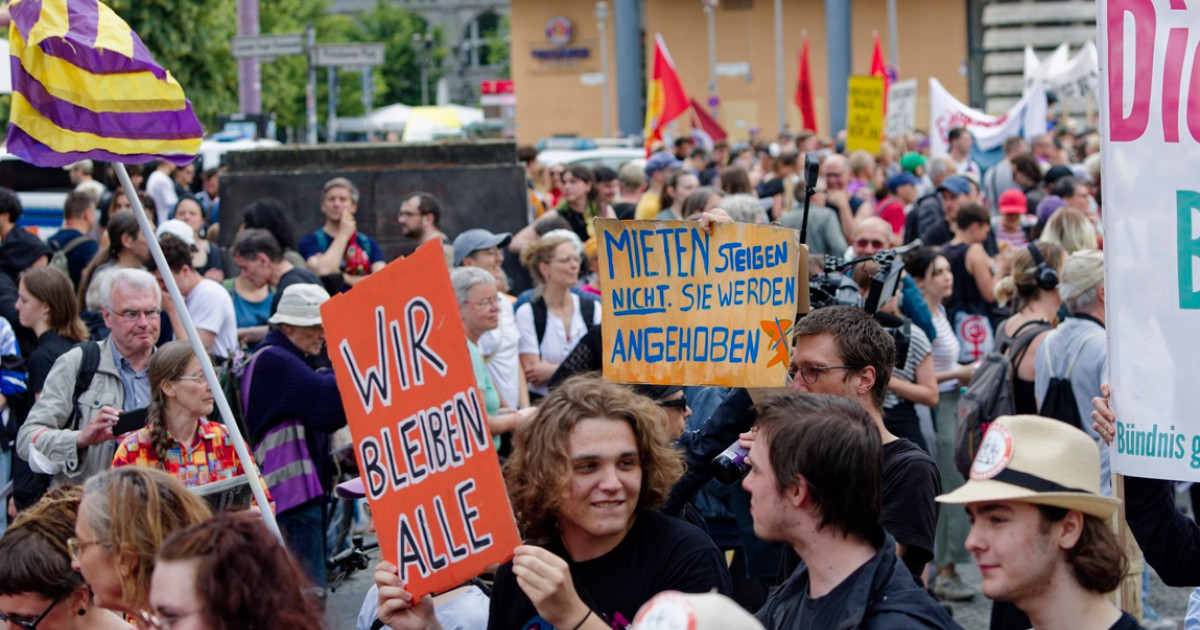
(1150, 143)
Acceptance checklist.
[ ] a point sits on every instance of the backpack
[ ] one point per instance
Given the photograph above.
(234, 377)
(32, 487)
(587, 309)
(58, 259)
(1059, 402)
(990, 395)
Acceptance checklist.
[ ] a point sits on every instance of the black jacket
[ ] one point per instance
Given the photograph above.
(883, 597)
(1169, 539)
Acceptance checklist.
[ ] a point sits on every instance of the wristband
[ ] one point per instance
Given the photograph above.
(581, 621)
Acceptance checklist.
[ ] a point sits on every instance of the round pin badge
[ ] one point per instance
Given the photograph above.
(995, 452)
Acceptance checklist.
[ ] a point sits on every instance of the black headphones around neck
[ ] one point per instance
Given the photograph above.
(1047, 278)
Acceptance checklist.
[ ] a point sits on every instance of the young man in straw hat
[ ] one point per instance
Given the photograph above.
(1039, 531)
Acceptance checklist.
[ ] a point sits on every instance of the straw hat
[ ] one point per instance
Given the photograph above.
(1036, 460)
(672, 610)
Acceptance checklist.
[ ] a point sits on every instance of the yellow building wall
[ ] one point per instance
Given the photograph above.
(932, 37)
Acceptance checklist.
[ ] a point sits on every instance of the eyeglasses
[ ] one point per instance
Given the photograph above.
(678, 403)
(565, 261)
(810, 373)
(164, 621)
(76, 546)
(863, 243)
(32, 625)
(488, 303)
(194, 379)
(134, 316)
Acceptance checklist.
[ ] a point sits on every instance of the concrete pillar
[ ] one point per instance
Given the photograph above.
(627, 33)
(837, 29)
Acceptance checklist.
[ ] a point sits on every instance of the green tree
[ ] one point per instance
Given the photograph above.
(191, 40)
(398, 80)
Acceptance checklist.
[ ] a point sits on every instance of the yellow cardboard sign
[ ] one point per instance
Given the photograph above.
(683, 306)
(864, 113)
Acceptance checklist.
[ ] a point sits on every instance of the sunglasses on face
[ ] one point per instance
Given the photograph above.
(862, 243)
(31, 625)
(678, 403)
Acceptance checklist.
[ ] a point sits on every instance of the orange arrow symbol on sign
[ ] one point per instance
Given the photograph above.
(775, 329)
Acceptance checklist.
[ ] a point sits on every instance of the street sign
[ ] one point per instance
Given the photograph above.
(733, 69)
(268, 45)
(349, 55)
(592, 78)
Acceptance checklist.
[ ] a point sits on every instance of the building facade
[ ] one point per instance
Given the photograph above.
(555, 58)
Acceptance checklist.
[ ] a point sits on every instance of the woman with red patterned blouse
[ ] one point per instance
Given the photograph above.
(177, 438)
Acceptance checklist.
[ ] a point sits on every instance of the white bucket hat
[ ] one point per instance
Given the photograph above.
(300, 305)
(1036, 460)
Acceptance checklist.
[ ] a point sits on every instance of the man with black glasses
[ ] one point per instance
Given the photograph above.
(54, 440)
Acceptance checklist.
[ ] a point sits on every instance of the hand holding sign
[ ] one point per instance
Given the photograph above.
(420, 433)
(396, 607)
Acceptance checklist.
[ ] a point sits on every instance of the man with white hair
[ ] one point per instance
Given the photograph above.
(70, 435)
(1076, 351)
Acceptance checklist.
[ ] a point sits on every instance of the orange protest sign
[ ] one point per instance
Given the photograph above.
(685, 306)
(417, 417)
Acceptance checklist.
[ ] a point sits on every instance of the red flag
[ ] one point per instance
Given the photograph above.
(879, 69)
(804, 91)
(665, 99)
(702, 119)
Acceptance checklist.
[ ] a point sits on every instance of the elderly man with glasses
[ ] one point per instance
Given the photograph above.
(68, 433)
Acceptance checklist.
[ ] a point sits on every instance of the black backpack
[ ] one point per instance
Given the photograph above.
(990, 395)
(30, 486)
(587, 309)
(1059, 402)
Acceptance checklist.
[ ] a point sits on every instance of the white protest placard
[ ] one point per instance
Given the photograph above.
(902, 108)
(1150, 138)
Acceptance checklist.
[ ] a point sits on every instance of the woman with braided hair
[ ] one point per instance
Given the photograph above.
(177, 438)
(38, 587)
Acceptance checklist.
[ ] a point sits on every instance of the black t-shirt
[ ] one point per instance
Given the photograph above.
(296, 276)
(660, 553)
(910, 483)
(830, 609)
(50, 346)
(625, 210)
(770, 188)
(1126, 622)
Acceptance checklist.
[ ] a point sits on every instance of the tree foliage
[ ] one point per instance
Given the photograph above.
(191, 40)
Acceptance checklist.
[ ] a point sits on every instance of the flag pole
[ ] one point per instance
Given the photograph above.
(210, 375)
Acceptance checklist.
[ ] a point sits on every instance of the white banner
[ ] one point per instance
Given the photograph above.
(1071, 79)
(901, 108)
(1027, 118)
(1150, 137)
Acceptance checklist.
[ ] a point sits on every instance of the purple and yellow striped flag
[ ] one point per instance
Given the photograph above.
(84, 86)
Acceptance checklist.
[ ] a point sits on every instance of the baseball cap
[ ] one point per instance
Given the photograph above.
(661, 160)
(911, 160)
(178, 229)
(1081, 273)
(86, 165)
(300, 305)
(1058, 172)
(1013, 202)
(1036, 460)
(352, 489)
(902, 179)
(672, 610)
(476, 239)
(1048, 206)
(956, 184)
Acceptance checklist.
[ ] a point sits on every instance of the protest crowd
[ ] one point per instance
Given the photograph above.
(854, 497)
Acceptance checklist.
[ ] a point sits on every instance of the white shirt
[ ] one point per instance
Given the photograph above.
(160, 188)
(211, 308)
(499, 350)
(945, 349)
(558, 342)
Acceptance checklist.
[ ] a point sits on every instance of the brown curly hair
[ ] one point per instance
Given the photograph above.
(539, 471)
(1097, 560)
(238, 557)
